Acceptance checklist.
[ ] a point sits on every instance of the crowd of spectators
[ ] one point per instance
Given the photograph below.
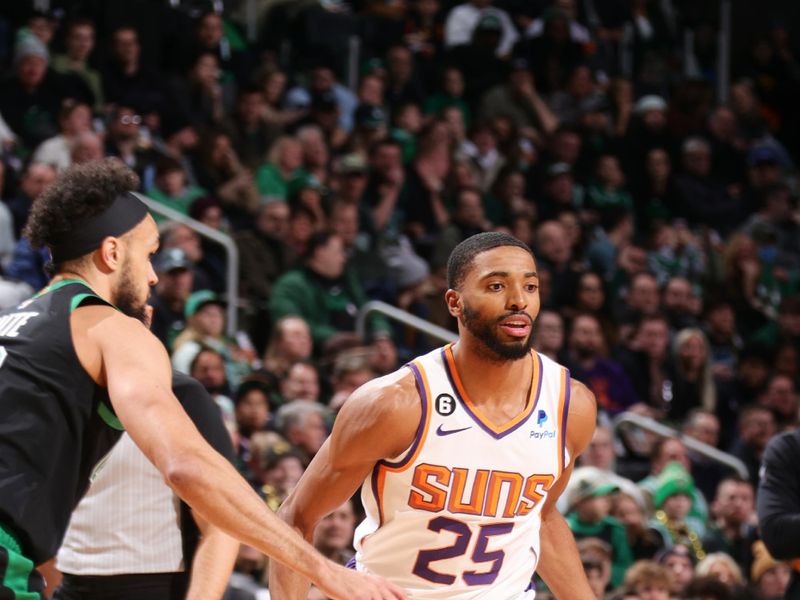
(664, 221)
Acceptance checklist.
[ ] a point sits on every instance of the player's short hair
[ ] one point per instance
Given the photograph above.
(464, 254)
(80, 193)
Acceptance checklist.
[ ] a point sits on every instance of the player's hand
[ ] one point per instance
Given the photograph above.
(346, 584)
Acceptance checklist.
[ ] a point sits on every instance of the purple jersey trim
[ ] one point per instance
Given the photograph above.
(476, 418)
(564, 422)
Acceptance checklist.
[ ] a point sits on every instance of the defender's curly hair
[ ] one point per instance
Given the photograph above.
(81, 192)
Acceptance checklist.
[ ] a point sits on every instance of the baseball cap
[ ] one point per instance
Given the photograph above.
(27, 45)
(351, 163)
(762, 155)
(303, 181)
(198, 300)
(648, 103)
(489, 22)
(172, 260)
(558, 169)
(370, 116)
(673, 480)
(591, 487)
(324, 101)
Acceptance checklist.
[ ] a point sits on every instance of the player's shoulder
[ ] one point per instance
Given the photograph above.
(388, 395)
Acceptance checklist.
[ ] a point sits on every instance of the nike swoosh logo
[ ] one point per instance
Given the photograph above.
(443, 432)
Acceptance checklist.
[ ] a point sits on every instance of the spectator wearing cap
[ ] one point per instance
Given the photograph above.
(350, 178)
(518, 99)
(479, 58)
(32, 92)
(284, 162)
(371, 125)
(323, 292)
(663, 452)
(79, 42)
(589, 505)
(175, 281)
(763, 168)
(648, 129)
(323, 85)
(306, 190)
(672, 502)
(464, 19)
(205, 327)
(126, 80)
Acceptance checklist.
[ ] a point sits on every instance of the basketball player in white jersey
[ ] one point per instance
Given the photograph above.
(462, 454)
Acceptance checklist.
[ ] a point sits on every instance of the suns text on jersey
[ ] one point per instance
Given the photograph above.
(485, 492)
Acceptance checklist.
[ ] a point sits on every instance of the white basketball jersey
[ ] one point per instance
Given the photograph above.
(457, 516)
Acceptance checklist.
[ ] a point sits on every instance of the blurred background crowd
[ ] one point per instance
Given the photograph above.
(644, 152)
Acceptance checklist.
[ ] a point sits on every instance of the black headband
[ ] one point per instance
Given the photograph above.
(125, 213)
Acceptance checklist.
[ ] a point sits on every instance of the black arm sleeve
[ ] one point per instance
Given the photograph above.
(206, 416)
(204, 413)
(779, 496)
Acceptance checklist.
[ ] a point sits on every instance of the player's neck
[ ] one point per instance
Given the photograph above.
(97, 282)
(486, 375)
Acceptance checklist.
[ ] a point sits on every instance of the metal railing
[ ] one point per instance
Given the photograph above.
(404, 317)
(231, 251)
(659, 429)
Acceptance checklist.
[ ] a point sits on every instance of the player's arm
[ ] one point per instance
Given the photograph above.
(378, 421)
(560, 564)
(136, 370)
(213, 562)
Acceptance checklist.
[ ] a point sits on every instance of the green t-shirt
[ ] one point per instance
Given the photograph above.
(181, 203)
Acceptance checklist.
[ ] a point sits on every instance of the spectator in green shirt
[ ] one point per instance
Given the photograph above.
(324, 292)
(284, 162)
(172, 189)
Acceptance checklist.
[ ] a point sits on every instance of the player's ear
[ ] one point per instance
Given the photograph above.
(108, 257)
(453, 300)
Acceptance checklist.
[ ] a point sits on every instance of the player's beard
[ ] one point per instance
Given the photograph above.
(486, 331)
(126, 299)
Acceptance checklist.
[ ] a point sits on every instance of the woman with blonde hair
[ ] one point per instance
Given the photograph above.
(722, 567)
(283, 163)
(693, 385)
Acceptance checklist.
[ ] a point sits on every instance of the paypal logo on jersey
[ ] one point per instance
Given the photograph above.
(541, 419)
